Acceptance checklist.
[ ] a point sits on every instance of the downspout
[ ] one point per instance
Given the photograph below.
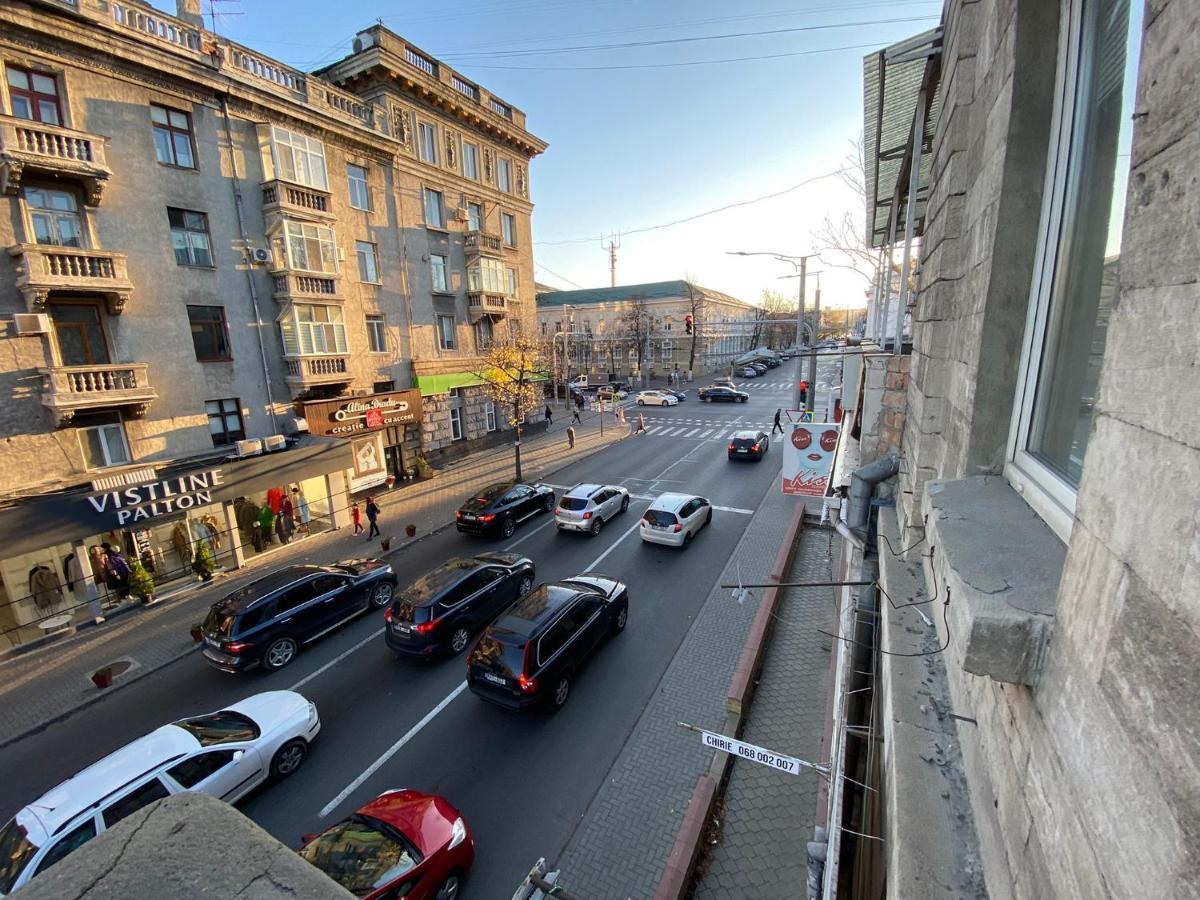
(862, 486)
(241, 217)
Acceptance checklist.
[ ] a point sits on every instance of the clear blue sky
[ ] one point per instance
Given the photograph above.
(634, 147)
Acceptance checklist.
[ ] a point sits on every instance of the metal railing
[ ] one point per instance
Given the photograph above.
(464, 87)
(99, 382)
(421, 61)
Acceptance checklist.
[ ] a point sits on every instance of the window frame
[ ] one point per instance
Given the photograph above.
(32, 95)
(489, 416)
(360, 255)
(475, 223)
(426, 194)
(358, 185)
(471, 151)
(505, 237)
(292, 143)
(223, 337)
(483, 342)
(54, 216)
(289, 231)
(446, 342)
(324, 331)
(429, 128)
(172, 131)
(445, 271)
(504, 165)
(188, 231)
(376, 333)
(457, 432)
(229, 438)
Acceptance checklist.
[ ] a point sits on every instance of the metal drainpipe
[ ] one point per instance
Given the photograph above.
(862, 486)
(241, 217)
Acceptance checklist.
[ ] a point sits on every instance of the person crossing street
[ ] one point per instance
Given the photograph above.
(571, 437)
(575, 415)
(641, 425)
(549, 416)
(777, 426)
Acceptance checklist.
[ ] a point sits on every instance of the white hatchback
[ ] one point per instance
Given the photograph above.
(656, 398)
(674, 519)
(227, 754)
(586, 507)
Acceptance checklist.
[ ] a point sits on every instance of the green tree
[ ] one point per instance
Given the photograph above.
(512, 370)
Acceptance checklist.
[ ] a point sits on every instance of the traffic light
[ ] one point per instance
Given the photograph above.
(687, 324)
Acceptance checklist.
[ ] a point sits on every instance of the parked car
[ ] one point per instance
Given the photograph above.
(402, 844)
(442, 610)
(749, 372)
(716, 392)
(674, 519)
(772, 362)
(500, 508)
(759, 367)
(227, 754)
(656, 398)
(268, 621)
(530, 655)
(748, 445)
(586, 507)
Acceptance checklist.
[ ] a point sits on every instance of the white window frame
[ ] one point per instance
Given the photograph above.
(365, 251)
(446, 340)
(487, 276)
(439, 273)
(510, 281)
(119, 426)
(489, 416)
(306, 231)
(376, 333)
(474, 223)
(471, 160)
(456, 424)
(426, 194)
(358, 187)
(508, 239)
(307, 332)
(427, 151)
(504, 178)
(291, 150)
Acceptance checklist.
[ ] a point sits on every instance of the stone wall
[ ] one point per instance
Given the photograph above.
(884, 405)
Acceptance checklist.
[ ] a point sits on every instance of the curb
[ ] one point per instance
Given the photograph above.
(676, 880)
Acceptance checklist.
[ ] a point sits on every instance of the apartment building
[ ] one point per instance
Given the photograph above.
(600, 329)
(207, 247)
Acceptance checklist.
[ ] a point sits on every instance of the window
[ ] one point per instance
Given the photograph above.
(475, 216)
(510, 282)
(70, 842)
(310, 248)
(368, 261)
(470, 161)
(210, 334)
(314, 331)
(489, 415)
(427, 142)
(133, 801)
(508, 229)
(361, 854)
(102, 438)
(483, 333)
(360, 194)
(33, 95)
(225, 421)
(433, 208)
(445, 329)
(456, 424)
(437, 264)
(191, 772)
(1076, 274)
(173, 145)
(189, 237)
(298, 158)
(487, 276)
(504, 175)
(226, 726)
(295, 597)
(54, 216)
(376, 335)
(79, 334)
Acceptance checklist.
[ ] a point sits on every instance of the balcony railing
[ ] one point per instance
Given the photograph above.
(291, 286)
(155, 24)
(28, 147)
(502, 108)
(464, 87)
(304, 372)
(482, 242)
(485, 303)
(68, 389)
(421, 61)
(42, 268)
(295, 200)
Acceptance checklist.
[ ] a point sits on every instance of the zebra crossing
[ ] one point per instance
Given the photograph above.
(698, 429)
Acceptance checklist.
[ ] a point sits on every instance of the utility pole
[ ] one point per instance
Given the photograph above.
(812, 349)
(614, 244)
(800, 332)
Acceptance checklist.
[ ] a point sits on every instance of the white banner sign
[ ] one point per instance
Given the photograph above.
(759, 755)
(808, 457)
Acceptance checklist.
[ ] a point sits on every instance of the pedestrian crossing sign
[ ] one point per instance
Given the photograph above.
(806, 416)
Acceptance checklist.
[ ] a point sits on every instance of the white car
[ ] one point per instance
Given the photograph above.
(586, 507)
(674, 519)
(656, 398)
(227, 753)
(749, 372)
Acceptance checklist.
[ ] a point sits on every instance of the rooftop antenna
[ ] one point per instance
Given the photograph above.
(215, 13)
(614, 244)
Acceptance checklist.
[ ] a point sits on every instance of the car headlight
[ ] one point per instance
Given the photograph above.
(458, 833)
(312, 711)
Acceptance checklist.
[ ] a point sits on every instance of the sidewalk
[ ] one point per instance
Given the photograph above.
(48, 682)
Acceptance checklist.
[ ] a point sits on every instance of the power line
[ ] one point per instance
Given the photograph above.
(538, 265)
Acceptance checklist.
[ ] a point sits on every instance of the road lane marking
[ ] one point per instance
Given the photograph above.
(391, 751)
(734, 509)
(599, 559)
(690, 433)
(536, 530)
(337, 659)
(654, 429)
(707, 433)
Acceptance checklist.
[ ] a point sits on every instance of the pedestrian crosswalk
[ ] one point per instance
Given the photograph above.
(697, 429)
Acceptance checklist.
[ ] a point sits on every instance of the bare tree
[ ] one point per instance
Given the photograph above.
(511, 369)
(696, 309)
(636, 319)
(774, 307)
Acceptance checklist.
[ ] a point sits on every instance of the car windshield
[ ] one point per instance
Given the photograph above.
(659, 517)
(574, 503)
(361, 854)
(16, 850)
(485, 497)
(222, 727)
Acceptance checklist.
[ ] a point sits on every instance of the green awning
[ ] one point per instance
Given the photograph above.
(429, 385)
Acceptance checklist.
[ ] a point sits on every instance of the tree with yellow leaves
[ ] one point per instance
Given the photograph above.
(512, 370)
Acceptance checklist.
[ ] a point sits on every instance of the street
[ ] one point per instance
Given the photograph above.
(522, 782)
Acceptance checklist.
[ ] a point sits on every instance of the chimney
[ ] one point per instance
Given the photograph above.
(189, 11)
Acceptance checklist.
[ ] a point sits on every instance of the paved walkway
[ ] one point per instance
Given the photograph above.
(767, 819)
(46, 683)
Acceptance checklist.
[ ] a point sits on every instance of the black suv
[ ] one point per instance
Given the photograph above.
(499, 508)
(266, 621)
(440, 611)
(530, 654)
(748, 444)
(720, 392)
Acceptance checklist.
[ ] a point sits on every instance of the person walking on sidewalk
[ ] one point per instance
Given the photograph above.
(356, 518)
(777, 426)
(549, 416)
(575, 415)
(641, 425)
(119, 568)
(570, 437)
(372, 517)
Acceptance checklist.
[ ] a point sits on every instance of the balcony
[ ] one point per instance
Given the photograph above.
(296, 201)
(42, 268)
(480, 242)
(292, 287)
(68, 389)
(484, 303)
(34, 148)
(307, 372)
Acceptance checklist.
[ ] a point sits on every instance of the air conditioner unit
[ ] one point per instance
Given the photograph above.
(460, 215)
(261, 256)
(274, 442)
(242, 449)
(31, 323)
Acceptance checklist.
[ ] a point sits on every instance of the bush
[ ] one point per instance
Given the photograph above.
(203, 563)
(141, 582)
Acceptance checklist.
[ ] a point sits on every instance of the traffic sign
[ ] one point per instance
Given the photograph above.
(760, 755)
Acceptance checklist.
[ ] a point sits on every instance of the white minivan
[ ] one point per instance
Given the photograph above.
(674, 519)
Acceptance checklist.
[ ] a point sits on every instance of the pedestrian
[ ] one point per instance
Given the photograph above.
(641, 424)
(570, 437)
(356, 518)
(372, 517)
(620, 414)
(119, 567)
(804, 392)
(575, 415)
(777, 427)
(549, 416)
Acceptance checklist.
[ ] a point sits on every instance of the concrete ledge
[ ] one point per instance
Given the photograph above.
(677, 875)
(1002, 566)
(186, 846)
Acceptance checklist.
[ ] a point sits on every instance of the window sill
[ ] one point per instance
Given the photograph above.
(176, 168)
(438, 229)
(437, 293)
(215, 359)
(196, 268)
(1002, 566)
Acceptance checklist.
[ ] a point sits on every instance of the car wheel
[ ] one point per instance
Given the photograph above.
(625, 503)
(742, 399)
(459, 638)
(381, 596)
(687, 539)
(641, 402)
(288, 759)
(597, 524)
(525, 586)
(621, 618)
(507, 527)
(708, 518)
(279, 653)
(449, 888)
(562, 690)
(548, 504)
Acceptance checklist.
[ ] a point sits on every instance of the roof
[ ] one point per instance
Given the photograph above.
(893, 79)
(586, 489)
(654, 290)
(671, 502)
(433, 584)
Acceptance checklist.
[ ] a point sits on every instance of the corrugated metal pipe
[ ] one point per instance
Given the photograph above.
(862, 486)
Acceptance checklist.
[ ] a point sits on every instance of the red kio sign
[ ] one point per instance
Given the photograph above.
(808, 458)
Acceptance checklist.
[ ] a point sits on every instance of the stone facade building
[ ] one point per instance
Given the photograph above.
(201, 239)
(1035, 692)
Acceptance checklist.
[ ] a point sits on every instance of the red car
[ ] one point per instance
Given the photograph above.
(403, 844)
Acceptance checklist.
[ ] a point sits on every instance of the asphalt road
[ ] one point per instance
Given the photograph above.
(522, 782)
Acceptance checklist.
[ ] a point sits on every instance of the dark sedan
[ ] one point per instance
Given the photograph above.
(500, 508)
(748, 445)
(267, 621)
(442, 610)
(715, 392)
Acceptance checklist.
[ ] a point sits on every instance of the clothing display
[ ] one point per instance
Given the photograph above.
(73, 575)
(44, 587)
(301, 505)
(266, 522)
(211, 531)
(275, 499)
(182, 543)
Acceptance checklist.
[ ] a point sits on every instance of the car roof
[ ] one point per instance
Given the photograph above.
(525, 617)
(492, 491)
(671, 502)
(586, 489)
(434, 583)
(247, 595)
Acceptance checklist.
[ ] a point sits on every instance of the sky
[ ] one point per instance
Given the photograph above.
(642, 136)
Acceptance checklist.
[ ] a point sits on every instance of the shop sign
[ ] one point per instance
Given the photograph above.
(171, 495)
(370, 467)
(345, 417)
(808, 458)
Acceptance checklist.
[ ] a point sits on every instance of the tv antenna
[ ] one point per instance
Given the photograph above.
(613, 245)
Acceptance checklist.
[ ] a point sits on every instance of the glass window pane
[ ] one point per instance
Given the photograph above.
(183, 150)
(21, 107)
(48, 112)
(201, 255)
(158, 115)
(178, 120)
(18, 78)
(162, 146)
(179, 242)
(44, 84)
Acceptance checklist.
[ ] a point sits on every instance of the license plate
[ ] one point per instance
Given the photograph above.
(467, 517)
(401, 627)
(742, 450)
(494, 679)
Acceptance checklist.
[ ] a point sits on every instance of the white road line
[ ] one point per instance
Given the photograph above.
(337, 659)
(672, 432)
(599, 559)
(654, 429)
(734, 509)
(530, 534)
(707, 433)
(391, 751)
(690, 433)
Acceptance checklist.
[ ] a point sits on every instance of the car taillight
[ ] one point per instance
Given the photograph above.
(732, 447)
(488, 518)
(236, 646)
(587, 515)
(677, 528)
(387, 614)
(528, 685)
(425, 627)
(755, 448)
(458, 514)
